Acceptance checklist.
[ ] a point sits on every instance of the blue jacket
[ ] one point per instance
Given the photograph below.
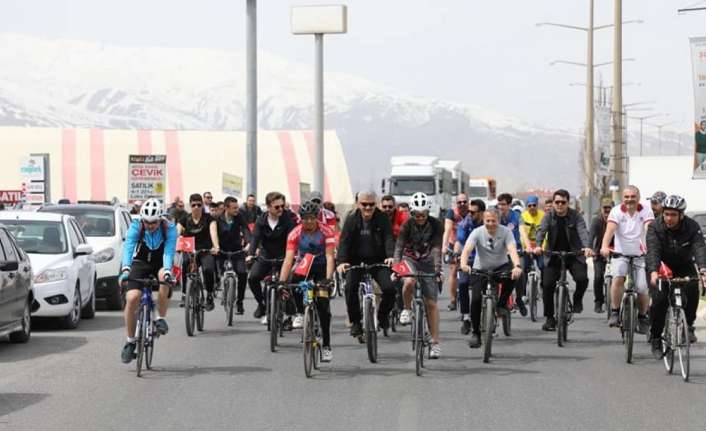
(153, 240)
(512, 222)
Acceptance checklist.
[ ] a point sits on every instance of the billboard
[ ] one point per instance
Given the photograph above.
(147, 175)
(698, 62)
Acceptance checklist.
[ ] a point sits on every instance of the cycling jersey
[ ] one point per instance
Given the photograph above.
(532, 222)
(512, 222)
(327, 217)
(151, 246)
(314, 243)
(453, 214)
(398, 219)
(421, 242)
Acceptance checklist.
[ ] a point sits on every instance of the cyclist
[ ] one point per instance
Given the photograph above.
(656, 203)
(203, 228)
(452, 218)
(325, 216)
(232, 232)
(511, 219)
(397, 216)
(628, 224)
(312, 237)
(548, 205)
(473, 220)
(420, 242)
(367, 238)
(676, 240)
(251, 211)
(148, 251)
(564, 230)
(530, 220)
(493, 244)
(598, 227)
(207, 202)
(269, 240)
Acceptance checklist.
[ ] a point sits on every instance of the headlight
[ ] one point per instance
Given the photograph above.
(103, 256)
(50, 275)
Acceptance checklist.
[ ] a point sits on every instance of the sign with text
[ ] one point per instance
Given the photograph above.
(147, 176)
(10, 196)
(232, 185)
(32, 168)
(698, 61)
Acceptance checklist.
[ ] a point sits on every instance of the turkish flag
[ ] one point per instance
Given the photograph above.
(402, 268)
(186, 244)
(304, 265)
(665, 271)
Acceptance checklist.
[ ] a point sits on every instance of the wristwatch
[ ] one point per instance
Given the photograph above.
(518, 266)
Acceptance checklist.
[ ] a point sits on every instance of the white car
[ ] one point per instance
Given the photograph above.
(105, 228)
(64, 272)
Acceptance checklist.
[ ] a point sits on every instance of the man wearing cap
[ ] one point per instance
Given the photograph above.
(656, 203)
(598, 227)
(325, 216)
(530, 220)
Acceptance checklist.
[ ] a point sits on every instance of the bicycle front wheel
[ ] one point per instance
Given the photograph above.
(683, 344)
(562, 324)
(607, 282)
(189, 308)
(273, 319)
(149, 344)
(200, 309)
(629, 318)
(487, 327)
(229, 288)
(668, 342)
(308, 336)
(419, 337)
(141, 338)
(533, 297)
(371, 336)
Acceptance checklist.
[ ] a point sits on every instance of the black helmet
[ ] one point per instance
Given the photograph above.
(674, 202)
(658, 197)
(308, 208)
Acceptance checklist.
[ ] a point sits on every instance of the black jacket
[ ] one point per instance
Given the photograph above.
(272, 243)
(421, 243)
(381, 231)
(676, 248)
(598, 228)
(575, 226)
(230, 237)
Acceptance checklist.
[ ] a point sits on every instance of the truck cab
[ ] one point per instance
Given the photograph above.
(412, 174)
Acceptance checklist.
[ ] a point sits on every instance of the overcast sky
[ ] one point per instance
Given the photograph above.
(483, 52)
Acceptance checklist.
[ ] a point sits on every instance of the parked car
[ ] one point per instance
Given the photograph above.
(105, 228)
(700, 218)
(64, 272)
(16, 296)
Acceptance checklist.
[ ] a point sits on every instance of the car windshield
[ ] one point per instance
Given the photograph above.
(410, 186)
(93, 222)
(36, 236)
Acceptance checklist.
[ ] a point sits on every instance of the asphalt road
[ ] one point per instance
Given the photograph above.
(226, 378)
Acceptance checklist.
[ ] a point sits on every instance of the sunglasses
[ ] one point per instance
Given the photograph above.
(491, 244)
(532, 206)
(607, 208)
(388, 207)
(630, 197)
(152, 223)
(277, 207)
(367, 204)
(471, 212)
(420, 216)
(461, 202)
(196, 205)
(208, 197)
(560, 202)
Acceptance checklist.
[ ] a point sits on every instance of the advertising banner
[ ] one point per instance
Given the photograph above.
(10, 196)
(698, 62)
(232, 185)
(603, 140)
(33, 172)
(147, 176)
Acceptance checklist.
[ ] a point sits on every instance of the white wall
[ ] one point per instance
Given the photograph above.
(672, 174)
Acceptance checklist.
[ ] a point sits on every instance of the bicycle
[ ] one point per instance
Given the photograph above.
(194, 306)
(562, 302)
(607, 283)
(534, 284)
(488, 321)
(370, 308)
(628, 306)
(421, 339)
(146, 332)
(280, 296)
(269, 283)
(229, 284)
(312, 334)
(676, 330)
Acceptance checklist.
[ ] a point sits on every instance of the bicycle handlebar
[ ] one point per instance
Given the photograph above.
(366, 267)
(151, 282)
(626, 256)
(491, 274)
(231, 253)
(678, 280)
(420, 275)
(564, 253)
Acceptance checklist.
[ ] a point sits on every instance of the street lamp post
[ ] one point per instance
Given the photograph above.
(659, 133)
(251, 98)
(319, 20)
(642, 119)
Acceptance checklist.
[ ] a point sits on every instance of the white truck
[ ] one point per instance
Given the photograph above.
(411, 174)
(458, 175)
(483, 188)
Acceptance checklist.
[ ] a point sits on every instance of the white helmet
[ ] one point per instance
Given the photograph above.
(151, 210)
(419, 202)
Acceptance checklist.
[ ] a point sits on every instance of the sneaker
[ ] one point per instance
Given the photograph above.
(209, 302)
(356, 330)
(474, 342)
(326, 354)
(128, 352)
(598, 307)
(522, 307)
(161, 325)
(405, 317)
(657, 348)
(259, 311)
(549, 324)
(577, 307)
(643, 324)
(452, 306)
(298, 321)
(692, 335)
(614, 320)
(435, 352)
(239, 307)
(466, 327)
(264, 320)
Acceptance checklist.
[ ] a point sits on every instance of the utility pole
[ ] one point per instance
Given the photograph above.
(589, 156)
(251, 98)
(618, 153)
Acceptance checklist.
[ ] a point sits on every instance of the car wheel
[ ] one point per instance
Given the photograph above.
(89, 311)
(71, 320)
(22, 336)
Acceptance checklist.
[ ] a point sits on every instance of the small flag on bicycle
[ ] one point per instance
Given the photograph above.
(304, 265)
(402, 268)
(186, 244)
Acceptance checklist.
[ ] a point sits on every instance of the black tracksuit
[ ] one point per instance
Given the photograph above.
(272, 244)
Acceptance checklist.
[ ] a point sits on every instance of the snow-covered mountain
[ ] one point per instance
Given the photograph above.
(85, 84)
